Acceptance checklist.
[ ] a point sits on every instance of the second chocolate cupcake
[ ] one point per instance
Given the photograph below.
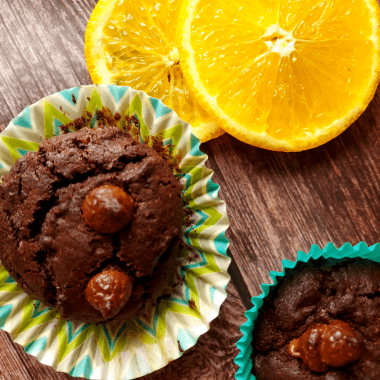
(320, 321)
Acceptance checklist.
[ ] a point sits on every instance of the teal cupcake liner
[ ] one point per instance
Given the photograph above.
(244, 358)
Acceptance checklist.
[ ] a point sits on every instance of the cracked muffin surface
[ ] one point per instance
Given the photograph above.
(48, 247)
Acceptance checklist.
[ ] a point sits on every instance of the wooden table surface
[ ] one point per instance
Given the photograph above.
(278, 203)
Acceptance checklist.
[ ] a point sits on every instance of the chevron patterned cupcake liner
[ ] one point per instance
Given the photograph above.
(135, 347)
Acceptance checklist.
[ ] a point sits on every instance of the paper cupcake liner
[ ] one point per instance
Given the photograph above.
(135, 347)
(244, 358)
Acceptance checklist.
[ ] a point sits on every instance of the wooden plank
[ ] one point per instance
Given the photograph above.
(11, 366)
(41, 50)
(36, 370)
(239, 283)
(278, 203)
(290, 201)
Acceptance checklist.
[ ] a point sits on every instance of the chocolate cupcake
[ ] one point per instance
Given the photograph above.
(321, 323)
(133, 347)
(318, 320)
(91, 223)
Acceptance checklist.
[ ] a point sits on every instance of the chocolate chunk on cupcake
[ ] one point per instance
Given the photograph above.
(320, 322)
(91, 224)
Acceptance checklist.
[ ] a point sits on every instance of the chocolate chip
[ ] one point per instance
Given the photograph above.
(109, 291)
(340, 345)
(107, 209)
(323, 346)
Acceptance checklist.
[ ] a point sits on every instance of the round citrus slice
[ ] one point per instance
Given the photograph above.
(281, 75)
(132, 43)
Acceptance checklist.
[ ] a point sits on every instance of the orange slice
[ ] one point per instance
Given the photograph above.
(281, 75)
(132, 43)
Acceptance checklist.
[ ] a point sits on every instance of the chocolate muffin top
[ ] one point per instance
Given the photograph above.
(51, 246)
(321, 323)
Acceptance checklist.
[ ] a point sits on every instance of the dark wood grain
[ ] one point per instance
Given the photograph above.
(36, 370)
(41, 50)
(290, 201)
(10, 363)
(278, 203)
